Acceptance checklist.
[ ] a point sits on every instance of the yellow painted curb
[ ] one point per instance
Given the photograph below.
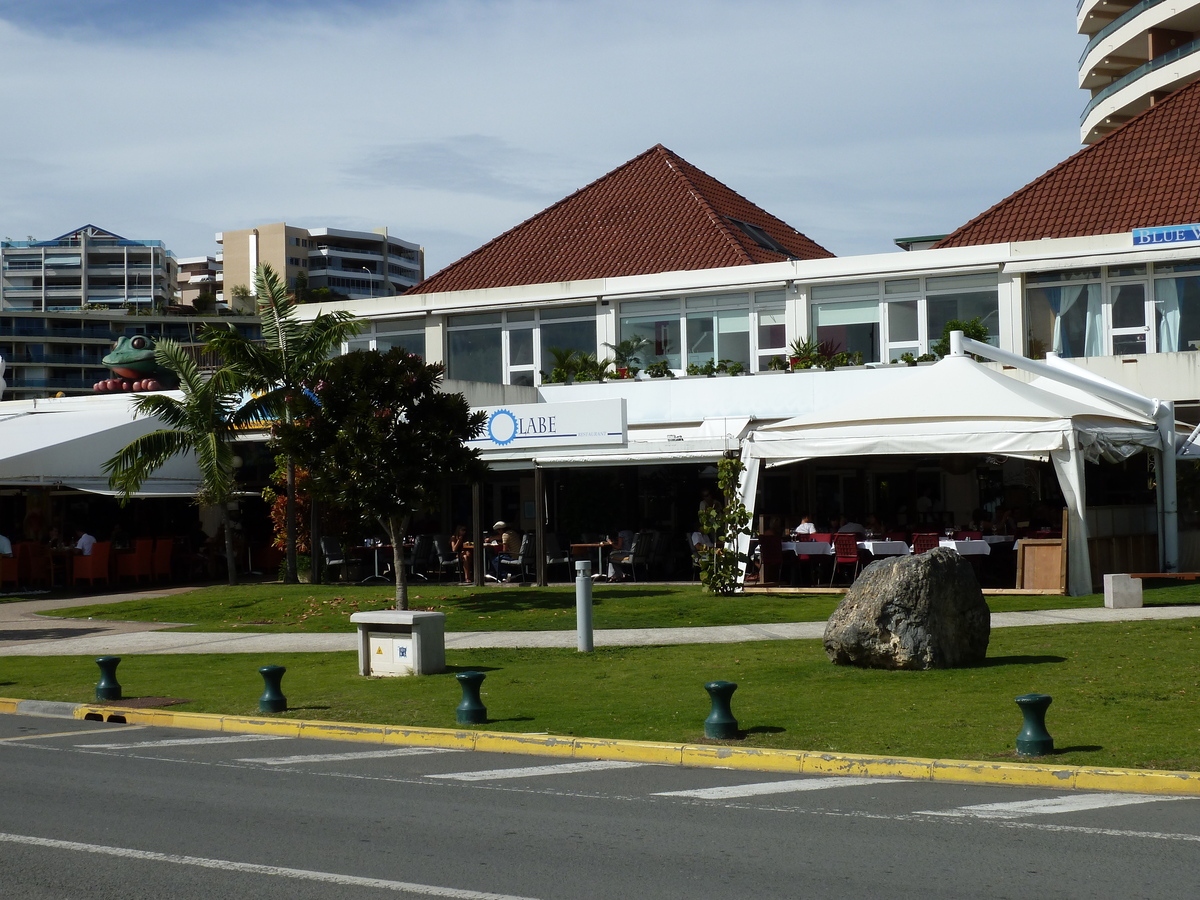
(1132, 781)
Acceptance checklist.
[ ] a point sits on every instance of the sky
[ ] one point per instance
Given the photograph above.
(451, 121)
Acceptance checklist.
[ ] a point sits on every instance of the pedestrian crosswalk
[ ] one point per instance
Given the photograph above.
(652, 782)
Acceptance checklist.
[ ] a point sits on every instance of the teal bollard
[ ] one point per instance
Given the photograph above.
(471, 710)
(107, 687)
(272, 700)
(1034, 739)
(720, 724)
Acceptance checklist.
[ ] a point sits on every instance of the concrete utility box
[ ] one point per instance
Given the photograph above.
(1122, 592)
(394, 642)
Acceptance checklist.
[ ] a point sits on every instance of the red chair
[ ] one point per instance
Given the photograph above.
(8, 571)
(140, 563)
(161, 563)
(845, 553)
(770, 558)
(33, 563)
(923, 543)
(93, 568)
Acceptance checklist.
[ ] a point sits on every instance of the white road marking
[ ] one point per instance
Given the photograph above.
(1050, 806)
(34, 737)
(187, 742)
(534, 771)
(339, 757)
(775, 787)
(427, 890)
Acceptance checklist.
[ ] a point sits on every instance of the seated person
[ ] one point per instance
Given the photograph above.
(621, 553)
(5, 546)
(806, 526)
(508, 545)
(848, 527)
(83, 542)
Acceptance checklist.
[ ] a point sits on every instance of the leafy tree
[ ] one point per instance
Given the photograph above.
(719, 564)
(376, 433)
(203, 421)
(292, 352)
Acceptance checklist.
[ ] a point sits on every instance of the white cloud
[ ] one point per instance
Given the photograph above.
(451, 122)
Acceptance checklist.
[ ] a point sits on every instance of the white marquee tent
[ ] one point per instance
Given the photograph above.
(66, 442)
(959, 406)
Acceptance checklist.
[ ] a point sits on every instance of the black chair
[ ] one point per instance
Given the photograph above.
(555, 555)
(518, 569)
(417, 559)
(331, 551)
(443, 558)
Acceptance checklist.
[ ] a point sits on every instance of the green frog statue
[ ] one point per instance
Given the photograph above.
(132, 362)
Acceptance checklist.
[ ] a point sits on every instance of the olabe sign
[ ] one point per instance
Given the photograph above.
(531, 426)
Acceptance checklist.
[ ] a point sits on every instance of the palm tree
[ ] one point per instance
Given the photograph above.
(203, 421)
(291, 354)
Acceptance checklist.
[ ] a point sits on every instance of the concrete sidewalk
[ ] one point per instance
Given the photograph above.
(25, 631)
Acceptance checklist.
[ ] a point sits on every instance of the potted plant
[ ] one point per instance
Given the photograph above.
(777, 364)
(707, 369)
(566, 366)
(659, 369)
(627, 355)
(805, 352)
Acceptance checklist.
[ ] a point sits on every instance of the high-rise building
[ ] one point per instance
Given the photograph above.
(63, 303)
(354, 264)
(88, 268)
(1137, 53)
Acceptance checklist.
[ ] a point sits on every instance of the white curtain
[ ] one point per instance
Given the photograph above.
(747, 494)
(1068, 465)
(1166, 295)
(1093, 343)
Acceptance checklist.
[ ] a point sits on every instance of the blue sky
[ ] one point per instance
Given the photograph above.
(451, 121)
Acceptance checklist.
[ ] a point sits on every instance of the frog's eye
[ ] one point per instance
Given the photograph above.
(138, 343)
(115, 344)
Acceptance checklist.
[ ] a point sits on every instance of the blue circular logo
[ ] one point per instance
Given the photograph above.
(502, 427)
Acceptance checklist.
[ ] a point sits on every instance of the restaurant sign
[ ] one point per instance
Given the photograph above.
(531, 426)
(1167, 234)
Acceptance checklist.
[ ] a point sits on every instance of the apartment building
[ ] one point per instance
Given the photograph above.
(350, 264)
(88, 268)
(200, 279)
(1137, 53)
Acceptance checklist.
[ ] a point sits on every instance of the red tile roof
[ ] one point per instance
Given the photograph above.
(656, 213)
(1144, 174)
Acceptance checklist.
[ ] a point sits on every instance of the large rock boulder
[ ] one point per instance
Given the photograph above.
(911, 612)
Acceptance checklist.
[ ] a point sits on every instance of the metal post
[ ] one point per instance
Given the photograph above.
(477, 556)
(539, 527)
(583, 605)
(107, 688)
(720, 724)
(471, 710)
(272, 700)
(1034, 739)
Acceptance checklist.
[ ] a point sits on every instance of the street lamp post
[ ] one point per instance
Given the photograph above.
(370, 283)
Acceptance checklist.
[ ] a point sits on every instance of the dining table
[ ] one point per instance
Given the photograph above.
(966, 548)
(885, 548)
(585, 548)
(809, 548)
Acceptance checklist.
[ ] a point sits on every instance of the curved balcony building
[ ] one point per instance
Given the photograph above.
(1137, 53)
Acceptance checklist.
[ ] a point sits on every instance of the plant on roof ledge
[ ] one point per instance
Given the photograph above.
(659, 369)
(627, 355)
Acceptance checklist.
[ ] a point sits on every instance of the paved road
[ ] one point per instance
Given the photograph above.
(25, 630)
(102, 810)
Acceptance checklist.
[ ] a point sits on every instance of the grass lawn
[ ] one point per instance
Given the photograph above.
(1125, 694)
(318, 608)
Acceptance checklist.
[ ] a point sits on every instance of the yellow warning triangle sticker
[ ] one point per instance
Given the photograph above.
(379, 651)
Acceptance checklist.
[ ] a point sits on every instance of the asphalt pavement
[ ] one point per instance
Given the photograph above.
(27, 630)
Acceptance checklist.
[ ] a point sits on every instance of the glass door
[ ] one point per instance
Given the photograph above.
(1131, 315)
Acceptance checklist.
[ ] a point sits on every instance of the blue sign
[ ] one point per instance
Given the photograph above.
(1166, 234)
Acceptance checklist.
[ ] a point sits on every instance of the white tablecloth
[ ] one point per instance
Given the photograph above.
(999, 538)
(885, 548)
(809, 548)
(967, 548)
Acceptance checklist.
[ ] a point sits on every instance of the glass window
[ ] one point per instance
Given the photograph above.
(578, 336)
(772, 336)
(474, 354)
(851, 327)
(661, 330)
(520, 347)
(838, 291)
(982, 305)
(902, 286)
(412, 341)
(1177, 305)
(903, 323)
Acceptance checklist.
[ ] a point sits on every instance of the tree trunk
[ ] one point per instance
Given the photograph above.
(314, 542)
(397, 529)
(290, 577)
(230, 560)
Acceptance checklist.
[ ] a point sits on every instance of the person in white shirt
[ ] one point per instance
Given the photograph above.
(83, 542)
(806, 526)
(5, 546)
